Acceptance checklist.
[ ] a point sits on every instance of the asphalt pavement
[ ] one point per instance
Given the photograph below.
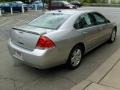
(22, 77)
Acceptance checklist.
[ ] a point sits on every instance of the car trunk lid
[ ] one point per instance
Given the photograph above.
(27, 36)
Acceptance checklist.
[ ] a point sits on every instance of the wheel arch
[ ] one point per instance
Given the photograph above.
(115, 27)
(81, 44)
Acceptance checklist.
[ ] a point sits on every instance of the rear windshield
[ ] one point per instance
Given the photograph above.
(50, 20)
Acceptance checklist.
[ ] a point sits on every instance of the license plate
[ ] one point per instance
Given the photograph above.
(18, 55)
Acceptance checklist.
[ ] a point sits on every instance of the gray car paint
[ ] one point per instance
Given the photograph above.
(65, 38)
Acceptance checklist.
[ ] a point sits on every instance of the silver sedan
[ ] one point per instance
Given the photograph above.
(60, 37)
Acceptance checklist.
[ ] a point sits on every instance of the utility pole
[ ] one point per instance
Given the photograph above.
(43, 4)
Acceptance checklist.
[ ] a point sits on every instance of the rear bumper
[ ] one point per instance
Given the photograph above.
(41, 59)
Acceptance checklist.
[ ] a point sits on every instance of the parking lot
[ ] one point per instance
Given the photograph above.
(22, 77)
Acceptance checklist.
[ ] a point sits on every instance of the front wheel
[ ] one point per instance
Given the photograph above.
(113, 36)
(74, 59)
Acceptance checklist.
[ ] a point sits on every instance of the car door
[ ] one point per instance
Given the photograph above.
(104, 27)
(88, 30)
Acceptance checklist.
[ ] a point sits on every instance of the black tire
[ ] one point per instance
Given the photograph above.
(73, 65)
(113, 36)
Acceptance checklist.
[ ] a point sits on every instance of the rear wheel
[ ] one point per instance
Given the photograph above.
(113, 36)
(74, 59)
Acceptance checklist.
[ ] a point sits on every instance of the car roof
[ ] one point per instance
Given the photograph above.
(71, 11)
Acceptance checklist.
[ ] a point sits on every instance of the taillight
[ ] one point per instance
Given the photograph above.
(45, 42)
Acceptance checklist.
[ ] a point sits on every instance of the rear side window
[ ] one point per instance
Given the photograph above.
(86, 19)
(83, 21)
(99, 18)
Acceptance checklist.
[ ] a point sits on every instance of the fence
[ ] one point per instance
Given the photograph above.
(11, 10)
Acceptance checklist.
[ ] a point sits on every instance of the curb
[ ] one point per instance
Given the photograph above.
(97, 76)
(82, 86)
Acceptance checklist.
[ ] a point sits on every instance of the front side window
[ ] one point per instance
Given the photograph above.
(50, 20)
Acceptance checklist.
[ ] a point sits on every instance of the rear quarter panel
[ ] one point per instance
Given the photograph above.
(66, 38)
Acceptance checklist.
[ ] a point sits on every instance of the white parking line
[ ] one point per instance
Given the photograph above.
(3, 19)
(6, 22)
(18, 22)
